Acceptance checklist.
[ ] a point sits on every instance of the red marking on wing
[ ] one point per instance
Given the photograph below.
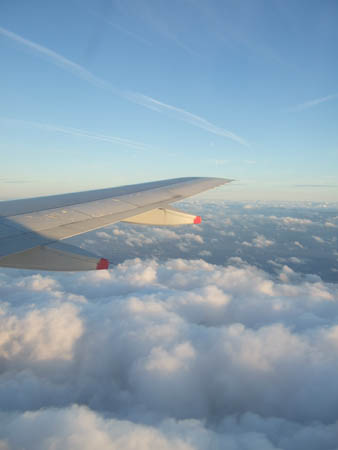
(102, 264)
(198, 219)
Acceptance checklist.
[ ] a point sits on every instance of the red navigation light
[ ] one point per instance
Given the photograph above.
(102, 264)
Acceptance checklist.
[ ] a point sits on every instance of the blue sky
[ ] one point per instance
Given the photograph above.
(97, 94)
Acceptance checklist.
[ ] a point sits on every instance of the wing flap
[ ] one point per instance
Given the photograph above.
(58, 257)
(164, 216)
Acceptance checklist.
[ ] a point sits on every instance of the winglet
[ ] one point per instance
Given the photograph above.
(102, 264)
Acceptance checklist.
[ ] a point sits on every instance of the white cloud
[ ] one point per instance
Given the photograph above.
(38, 335)
(295, 260)
(38, 283)
(167, 362)
(138, 239)
(165, 233)
(330, 225)
(79, 428)
(291, 220)
(193, 237)
(259, 241)
(274, 263)
(318, 239)
(104, 235)
(168, 355)
(236, 260)
(118, 232)
(228, 233)
(205, 253)
(135, 238)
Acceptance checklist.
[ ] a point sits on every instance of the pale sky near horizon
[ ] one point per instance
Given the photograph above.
(103, 93)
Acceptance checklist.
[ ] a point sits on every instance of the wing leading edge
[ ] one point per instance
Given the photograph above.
(31, 228)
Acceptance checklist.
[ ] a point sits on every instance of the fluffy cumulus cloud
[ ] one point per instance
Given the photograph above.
(259, 241)
(318, 239)
(173, 355)
(291, 220)
(134, 238)
(331, 225)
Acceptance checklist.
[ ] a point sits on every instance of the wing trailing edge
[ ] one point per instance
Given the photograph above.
(164, 217)
(56, 257)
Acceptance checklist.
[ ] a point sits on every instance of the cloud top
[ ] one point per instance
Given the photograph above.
(180, 354)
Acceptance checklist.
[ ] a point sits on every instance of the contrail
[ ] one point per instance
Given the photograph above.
(138, 98)
(185, 116)
(79, 132)
(58, 60)
(315, 102)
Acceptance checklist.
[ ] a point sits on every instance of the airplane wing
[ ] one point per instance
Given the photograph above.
(31, 229)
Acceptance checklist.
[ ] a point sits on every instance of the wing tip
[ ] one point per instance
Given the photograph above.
(197, 220)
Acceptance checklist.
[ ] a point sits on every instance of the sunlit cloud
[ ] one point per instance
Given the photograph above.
(318, 239)
(291, 220)
(259, 241)
(150, 333)
(233, 334)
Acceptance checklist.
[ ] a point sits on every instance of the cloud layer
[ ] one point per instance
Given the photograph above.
(302, 236)
(182, 354)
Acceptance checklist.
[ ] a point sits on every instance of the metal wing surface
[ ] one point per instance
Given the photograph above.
(31, 228)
